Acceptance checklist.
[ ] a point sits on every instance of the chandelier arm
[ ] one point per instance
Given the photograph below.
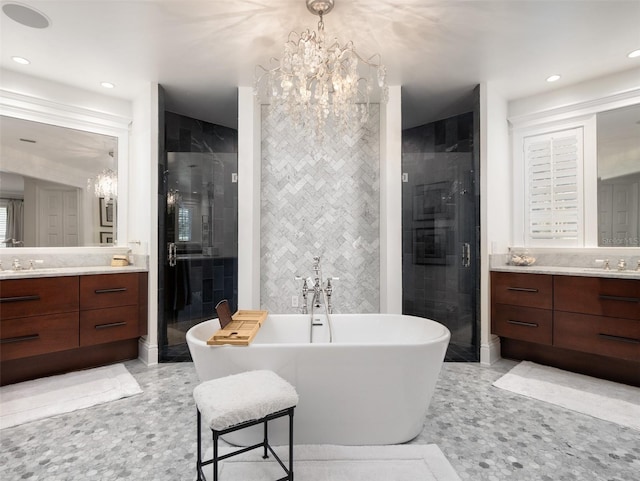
(366, 61)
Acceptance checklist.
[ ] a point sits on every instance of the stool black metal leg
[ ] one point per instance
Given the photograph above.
(199, 459)
(290, 444)
(215, 455)
(266, 440)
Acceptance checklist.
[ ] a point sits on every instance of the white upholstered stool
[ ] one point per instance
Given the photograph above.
(238, 401)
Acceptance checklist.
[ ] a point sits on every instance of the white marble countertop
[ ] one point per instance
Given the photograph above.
(569, 271)
(67, 271)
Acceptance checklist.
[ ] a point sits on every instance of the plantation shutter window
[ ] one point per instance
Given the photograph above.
(553, 188)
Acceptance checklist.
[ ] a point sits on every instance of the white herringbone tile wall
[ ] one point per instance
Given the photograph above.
(320, 198)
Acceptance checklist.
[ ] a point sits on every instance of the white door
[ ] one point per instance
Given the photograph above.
(605, 214)
(58, 217)
(625, 214)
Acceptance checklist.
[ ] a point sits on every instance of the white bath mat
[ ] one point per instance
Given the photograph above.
(342, 463)
(611, 401)
(49, 396)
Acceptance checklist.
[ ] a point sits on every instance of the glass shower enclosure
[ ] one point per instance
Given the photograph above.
(199, 229)
(440, 228)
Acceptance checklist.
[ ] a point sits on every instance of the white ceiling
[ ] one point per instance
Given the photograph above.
(200, 51)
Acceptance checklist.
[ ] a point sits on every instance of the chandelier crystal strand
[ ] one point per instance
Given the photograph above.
(105, 184)
(314, 81)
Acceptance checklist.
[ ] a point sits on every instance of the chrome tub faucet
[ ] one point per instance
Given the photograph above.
(321, 292)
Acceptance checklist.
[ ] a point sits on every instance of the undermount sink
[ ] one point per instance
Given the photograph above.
(29, 271)
(611, 271)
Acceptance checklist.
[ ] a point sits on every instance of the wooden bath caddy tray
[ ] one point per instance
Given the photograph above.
(241, 330)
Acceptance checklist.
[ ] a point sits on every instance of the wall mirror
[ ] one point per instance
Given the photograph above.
(55, 176)
(618, 154)
(57, 185)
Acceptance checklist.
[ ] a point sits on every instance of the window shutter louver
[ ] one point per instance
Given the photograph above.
(553, 186)
(3, 224)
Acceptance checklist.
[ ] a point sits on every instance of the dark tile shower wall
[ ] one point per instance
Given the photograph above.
(207, 267)
(440, 215)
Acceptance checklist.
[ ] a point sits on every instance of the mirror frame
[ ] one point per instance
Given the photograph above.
(565, 116)
(36, 109)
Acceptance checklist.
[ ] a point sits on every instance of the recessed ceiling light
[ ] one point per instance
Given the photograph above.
(27, 16)
(634, 54)
(553, 78)
(20, 60)
(107, 85)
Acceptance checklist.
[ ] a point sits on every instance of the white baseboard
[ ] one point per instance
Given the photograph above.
(490, 352)
(147, 353)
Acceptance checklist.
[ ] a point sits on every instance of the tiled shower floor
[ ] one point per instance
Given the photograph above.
(485, 432)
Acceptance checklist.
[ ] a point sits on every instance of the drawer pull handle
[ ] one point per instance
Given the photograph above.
(611, 337)
(111, 324)
(522, 289)
(619, 298)
(106, 291)
(30, 337)
(19, 299)
(522, 323)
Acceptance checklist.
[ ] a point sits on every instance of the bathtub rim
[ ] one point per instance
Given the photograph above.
(444, 337)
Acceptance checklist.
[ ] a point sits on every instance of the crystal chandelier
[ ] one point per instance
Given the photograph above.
(316, 79)
(105, 184)
(173, 198)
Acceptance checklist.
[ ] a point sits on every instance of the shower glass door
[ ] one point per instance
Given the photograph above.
(199, 229)
(440, 228)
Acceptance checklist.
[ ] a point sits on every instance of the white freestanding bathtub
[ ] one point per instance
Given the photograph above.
(371, 385)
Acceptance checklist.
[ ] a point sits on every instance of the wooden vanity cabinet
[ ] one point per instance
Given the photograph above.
(598, 315)
(108, 308)
(521, 306)
(589, 325)
(599, 296)
(38, 316)
(56, 324)
(34, 297)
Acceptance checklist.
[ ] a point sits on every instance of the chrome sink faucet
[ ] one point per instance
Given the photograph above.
(622, 265)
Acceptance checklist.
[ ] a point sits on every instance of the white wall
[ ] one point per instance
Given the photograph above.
(249, 171)
(495, 203)
(391, 203)
(143, 205)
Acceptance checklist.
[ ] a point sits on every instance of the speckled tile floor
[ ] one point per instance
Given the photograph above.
(485, 432)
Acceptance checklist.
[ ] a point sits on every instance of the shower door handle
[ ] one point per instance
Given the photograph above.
(172, 254)
(466, 254)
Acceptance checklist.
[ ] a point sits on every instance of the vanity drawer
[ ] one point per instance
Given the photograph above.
(98, 326)
(598, 296)
(31, 336)
(108, 290)
(607, 336)
(37, 296)
(523, 323)
(530, 290)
